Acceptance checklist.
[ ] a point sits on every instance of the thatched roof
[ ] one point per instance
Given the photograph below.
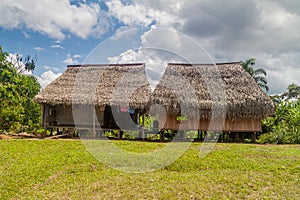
(199, 88)
(99, 85)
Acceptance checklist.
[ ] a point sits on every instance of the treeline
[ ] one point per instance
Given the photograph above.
(18, 111)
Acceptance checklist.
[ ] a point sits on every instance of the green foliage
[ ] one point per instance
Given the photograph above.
(18, 112)
(284, 127)
(259, 75)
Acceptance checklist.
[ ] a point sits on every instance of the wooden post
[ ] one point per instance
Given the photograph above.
(140, 126)
(253, 138)
(161, 135)
(201, 136)
(223, 136)
(236, 137)
(120, 136)
(44, 121)
(198, 136)
(94, 120)
(143, 126)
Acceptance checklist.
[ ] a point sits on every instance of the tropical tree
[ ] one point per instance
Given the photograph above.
(259, 75)
(22, 64)
(293, 91)
(18, 111)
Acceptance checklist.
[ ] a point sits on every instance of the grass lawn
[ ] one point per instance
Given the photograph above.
(64, 169)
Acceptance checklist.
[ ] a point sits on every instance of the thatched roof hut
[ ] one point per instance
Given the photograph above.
(203, 93)
(200, 92)
(116, 84)
(225, 85)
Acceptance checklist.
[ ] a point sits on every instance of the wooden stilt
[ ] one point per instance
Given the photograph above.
(94, 121)
(201, 136)
(253, 138)
(198, 136)
(161, 135)
(236, 139)
(45, 132)
(44, 121)
(143, 126)
(120, 136)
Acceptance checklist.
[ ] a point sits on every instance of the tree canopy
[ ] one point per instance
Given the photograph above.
(18, 111)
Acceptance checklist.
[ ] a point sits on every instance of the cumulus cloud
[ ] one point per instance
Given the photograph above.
(229, 31)
(48, 68)
(266, 30)
(72, 60)
(47, 77)
(140, 14)
(155, 61)
(156, 54)
(53, 18)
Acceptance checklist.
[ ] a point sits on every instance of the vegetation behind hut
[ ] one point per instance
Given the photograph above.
(259, 75)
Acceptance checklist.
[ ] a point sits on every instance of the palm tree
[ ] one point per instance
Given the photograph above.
(293, 92)
(256, 73)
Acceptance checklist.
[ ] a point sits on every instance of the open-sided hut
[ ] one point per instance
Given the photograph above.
(221, 97)
(96, 96)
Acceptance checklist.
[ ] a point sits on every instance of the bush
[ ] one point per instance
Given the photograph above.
(284, 127)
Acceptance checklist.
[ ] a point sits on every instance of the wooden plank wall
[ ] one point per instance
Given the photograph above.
(239, 125)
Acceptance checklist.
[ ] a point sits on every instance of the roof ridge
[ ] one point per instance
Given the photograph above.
(191, 64)
(106, 65)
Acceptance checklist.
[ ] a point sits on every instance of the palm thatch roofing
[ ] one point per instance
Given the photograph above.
(201, 89)
(198, 89)
(118, 84)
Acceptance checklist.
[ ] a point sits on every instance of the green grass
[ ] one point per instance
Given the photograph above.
(64, 169)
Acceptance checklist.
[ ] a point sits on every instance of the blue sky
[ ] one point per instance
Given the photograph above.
(62, 32)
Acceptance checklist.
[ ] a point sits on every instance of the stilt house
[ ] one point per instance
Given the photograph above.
(221, 97)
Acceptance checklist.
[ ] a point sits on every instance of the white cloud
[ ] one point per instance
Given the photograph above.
(156, 54)
(72, 60)
(53, 18)
(56, 69)
(77, 56)
(56, 46)
(39, 49)
(143, 15)
(47, 77)
(266, 30)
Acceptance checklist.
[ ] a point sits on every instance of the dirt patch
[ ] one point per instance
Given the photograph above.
(17, 136)
(5, 137)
